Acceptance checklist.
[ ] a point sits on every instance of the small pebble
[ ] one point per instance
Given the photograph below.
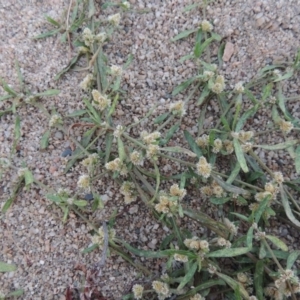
(67, 152)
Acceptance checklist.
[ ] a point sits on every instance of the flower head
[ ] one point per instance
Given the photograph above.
(84, 181)
(100, 37)
(197, 297)
(150, 138)
(129, 192)
(116, 70)
(152, 151)
(231, 226)
(87, 83)
(239, 88)
(55, 120)
(162, 289)
(217, 145)
(181, 257)
(177, 192)
(203, 167)
(88, 37)
(118, 131)
(177, 108)
(278, 177)
(114, 19)
(206, 26)
(285, 126)
(136, 158)
(117, 165)
(203, 141)
(100, 236)
(100, 101)
(137, 290)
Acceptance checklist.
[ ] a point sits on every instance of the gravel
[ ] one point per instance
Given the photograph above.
(32, 233)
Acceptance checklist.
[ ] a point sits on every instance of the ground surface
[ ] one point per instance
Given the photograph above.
(32, 234)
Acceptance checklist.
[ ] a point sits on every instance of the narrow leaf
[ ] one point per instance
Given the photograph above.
(277, 242)
(292, 258)
(46, 34)
(48, 93)
(70, 65)
(287, 208)
(230, 252)
(183, 34)
(181, 87)
(161, 118)
(193, 145)
(204, 94)
(279, 146)
(28, 177)
(240, 155)
(4, 267)
(90, 249)
(188, 276)
(228, 187)
(297, 159)
(258, 279)
(234, 285)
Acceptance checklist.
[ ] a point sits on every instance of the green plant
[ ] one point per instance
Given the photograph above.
(239, 259)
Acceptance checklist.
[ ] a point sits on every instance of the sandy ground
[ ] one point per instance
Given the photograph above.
(31, 233)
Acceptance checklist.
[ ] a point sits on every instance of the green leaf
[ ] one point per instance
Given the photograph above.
(102, 70)
(234, 285)
(181, 87)
(221, 53)
(204, 94)
(201, 47)
(80, 203)
(45, 140)
(161, 118)
(228, 187)
(188, 276)
(192, 144)
(52, 21)
(240, 155)
(92, 110)
(97, 203)
(28, 177)
(15, 293)
(90, 249)
(186, 57)
(77, 113)
(169, 134)
(262, 251)
(91, 8)
(297, 159)
(258, 279)
(4, 267)
(190, 7)
(242, 217)
(128, 62)
(292, 258)
(178, 149)
(230, 252)
(69, 66)
(108, 143)
(249, 238)
(219, 201)
(279, 146)
(245, 116)
(20, 75)
(46, 34)
(7, 88)
(261, 209)
(277, 242)
(183, 34)
(287, 208)
(121, 150)
(234, 173)
(48, 93)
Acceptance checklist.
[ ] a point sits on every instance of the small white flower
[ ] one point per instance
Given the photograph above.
(118, 131)
(55, 120)
(239, 88)
(114, 19)
(206, 26)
